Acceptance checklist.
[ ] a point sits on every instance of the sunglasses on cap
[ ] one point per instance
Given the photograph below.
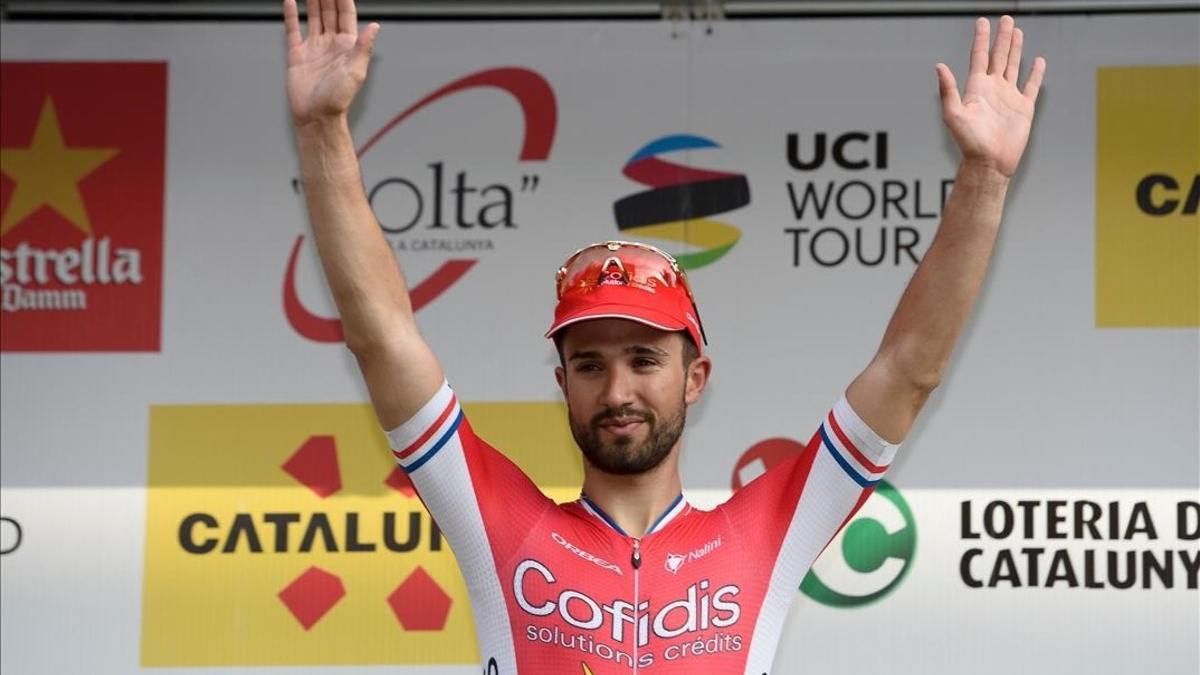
(624, 263)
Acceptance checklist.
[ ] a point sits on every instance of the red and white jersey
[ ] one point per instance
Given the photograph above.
(561, 589)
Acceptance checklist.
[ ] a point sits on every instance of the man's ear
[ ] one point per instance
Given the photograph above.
(560, 376)
(698, 373)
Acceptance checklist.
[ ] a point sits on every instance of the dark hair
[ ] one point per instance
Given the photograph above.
(690, 351)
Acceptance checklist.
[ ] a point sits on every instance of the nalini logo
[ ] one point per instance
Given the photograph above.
(675, 561)
(870, 557)
(82, 153)
(680, 201)
(445, 212)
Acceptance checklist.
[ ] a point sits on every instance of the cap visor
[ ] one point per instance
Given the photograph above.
(642, 315)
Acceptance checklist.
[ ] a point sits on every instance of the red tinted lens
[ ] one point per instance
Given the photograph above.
(626, 264)
(622, 263)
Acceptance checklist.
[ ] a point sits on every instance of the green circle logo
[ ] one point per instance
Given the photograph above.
(870, 556)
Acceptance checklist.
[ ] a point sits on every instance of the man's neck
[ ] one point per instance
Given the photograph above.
(635, 502)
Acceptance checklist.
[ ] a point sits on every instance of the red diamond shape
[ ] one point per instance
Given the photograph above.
(400, 482)
(419, 603)
(315, 465)
(311, 595)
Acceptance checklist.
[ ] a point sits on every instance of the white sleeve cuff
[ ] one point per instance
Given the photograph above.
(424, 431)
(864, 438)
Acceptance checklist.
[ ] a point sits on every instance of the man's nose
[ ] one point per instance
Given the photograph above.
(618, 388)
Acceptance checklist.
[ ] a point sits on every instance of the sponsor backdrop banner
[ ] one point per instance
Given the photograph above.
(193, 482)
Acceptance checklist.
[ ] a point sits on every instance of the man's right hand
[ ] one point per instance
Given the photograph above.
(324, 73)
(326, 70)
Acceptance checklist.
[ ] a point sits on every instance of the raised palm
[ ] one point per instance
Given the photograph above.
(990, 122)
(326, 69)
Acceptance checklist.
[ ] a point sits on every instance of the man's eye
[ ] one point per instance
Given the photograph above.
(587, 368)
(644, 363)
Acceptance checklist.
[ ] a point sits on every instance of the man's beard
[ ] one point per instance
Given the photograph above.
(624, 455)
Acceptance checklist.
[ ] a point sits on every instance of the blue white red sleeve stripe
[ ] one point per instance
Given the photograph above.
(850, 450)
(861, 453)
(420, 438)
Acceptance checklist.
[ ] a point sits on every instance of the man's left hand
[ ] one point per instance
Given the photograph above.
(990, 122)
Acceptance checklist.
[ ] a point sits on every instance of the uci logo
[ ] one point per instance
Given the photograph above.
(681, 199)
(870, 556)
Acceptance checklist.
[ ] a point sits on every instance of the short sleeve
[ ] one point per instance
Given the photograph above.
(480, 499)
(807, 498)
(417, 441)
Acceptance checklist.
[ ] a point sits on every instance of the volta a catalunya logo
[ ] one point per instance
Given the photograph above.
(540, 112)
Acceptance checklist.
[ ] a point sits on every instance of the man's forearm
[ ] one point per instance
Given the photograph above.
(990, 123)
(935, 306)
(359, 265)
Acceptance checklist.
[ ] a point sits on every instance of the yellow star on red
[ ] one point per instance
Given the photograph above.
(47, 173)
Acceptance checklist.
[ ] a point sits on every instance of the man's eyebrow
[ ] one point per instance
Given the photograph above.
(575, 356)
(644, 349)
(634, 349)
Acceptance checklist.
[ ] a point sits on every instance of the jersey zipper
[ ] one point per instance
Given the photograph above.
(636, 561)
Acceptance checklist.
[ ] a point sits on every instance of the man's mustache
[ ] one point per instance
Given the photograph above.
(624, 412)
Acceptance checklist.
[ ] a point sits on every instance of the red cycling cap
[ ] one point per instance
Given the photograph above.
(626, 280)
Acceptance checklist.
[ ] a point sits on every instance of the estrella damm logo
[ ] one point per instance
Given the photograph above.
(82, 167)
(869, 557)
(285, 535)
(1147, 196)
(680, 201)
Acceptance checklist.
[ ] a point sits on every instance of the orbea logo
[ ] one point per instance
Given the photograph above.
(869, 557)
(82, 148)
(1147, 197)
(431, 214)
(283, 535)
(599, 562)
(680, 201)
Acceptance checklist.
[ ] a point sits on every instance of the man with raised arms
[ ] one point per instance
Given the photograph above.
(630, 577)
